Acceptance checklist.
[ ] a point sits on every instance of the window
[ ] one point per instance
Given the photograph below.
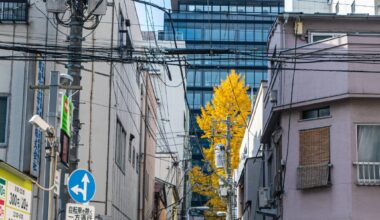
(224, 8)
(266, 10)
(133, 158)
(315, 37)
(241, 9)
(368, 148)
(207, 96)
(199, 8)
(314, 158)
(337, 8)
(249, 79)
(190, 78)
(131, 137)
(258, 9)
(121, 136)
(3, 119)
(249, 9)
(191, 7)
(121, 29)
(316, 113)
(182, 7)
(13, 10)
(197, 100)
(125, 42)
(216, 8)
(146, 185)
(137, 163)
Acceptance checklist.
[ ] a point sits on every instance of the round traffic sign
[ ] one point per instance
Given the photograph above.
(81, 186)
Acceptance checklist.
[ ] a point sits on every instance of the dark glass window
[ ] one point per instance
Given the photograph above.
(190, 78)
(250, 79)
(197, 99)
(224, 8)
(183, 7)
(241, 9)
(249, 9)
(216, 8)
(207, 96)
(3, 119)
(258, 9)
(120, 146)
(199, 8)
(316, 113)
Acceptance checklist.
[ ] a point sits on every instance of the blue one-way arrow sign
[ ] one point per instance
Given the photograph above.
(81, 186)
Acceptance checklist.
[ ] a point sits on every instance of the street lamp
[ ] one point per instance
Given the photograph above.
(196, 208)
(49, 130)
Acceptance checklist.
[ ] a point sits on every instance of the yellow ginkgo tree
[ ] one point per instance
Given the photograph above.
(229, 99)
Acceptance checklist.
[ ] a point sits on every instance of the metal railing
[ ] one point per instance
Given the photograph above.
(368, 173)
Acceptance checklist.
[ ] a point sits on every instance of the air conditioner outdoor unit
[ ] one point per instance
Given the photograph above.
(223, 191)
(100, 10)
(55, 6)
(264, 197)
(273, 96)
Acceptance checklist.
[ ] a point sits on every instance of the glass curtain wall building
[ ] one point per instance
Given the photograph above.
(241, 26)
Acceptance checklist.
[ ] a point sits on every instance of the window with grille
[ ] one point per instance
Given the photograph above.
(14, 10)
(120, 149)
(368, 148)
(314, 158)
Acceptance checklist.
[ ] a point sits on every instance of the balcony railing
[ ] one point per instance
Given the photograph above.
(368, 173)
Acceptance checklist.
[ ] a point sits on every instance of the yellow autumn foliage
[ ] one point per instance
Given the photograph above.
(229, 99)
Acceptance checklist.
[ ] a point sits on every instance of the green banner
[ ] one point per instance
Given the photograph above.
(66, 114)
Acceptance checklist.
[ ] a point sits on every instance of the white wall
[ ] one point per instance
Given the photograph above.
(104, 98)
(251, 140)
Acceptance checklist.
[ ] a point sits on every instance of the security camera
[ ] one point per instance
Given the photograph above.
(36, 120)
(65, 79)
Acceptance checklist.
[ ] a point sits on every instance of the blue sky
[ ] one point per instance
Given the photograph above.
(156, 17)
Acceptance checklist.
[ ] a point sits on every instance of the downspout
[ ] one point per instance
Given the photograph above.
(109, 107)
(145, 145)
(89, 162)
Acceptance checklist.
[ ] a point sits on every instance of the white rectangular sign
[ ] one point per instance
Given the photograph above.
(57, 181)
(15, 201)
(77, 211)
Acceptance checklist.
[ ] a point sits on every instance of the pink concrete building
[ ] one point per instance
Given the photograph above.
(321, 130)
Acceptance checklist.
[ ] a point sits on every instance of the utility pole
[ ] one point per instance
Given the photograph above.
(50, 154)
(74, 70)
(230, 191)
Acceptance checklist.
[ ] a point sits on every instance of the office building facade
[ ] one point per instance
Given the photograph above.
(239, 26)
